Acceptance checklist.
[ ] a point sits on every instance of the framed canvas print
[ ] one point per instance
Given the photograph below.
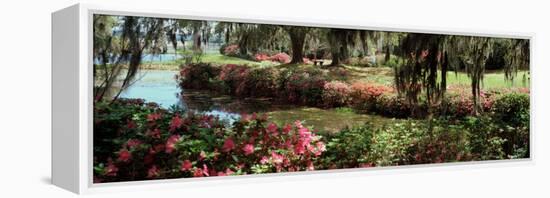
(170, 97)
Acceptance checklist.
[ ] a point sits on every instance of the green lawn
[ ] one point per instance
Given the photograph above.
(491, 80)
(222, 60)
(379, 75)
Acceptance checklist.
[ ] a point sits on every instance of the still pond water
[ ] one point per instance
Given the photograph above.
(160, 86)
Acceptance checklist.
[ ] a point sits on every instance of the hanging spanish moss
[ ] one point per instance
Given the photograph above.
(419, 72)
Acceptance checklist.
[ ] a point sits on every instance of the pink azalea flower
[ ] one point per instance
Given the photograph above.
(299, 148)
(111, 169)
(320, 147)
(132, 143)
(205, 170)
(310, 166)
(298, 124)
(228, 145)
(186, 165)
(287, 128)
(228, 171)
(153, 172)
(272, 128)
(248, 149)
(264, 160)
(171, 143)
(124, 155)
(276, 159)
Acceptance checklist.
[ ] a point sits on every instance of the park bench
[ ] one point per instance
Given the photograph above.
(315, 61)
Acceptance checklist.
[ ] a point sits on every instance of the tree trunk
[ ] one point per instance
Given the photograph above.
(297, 40)
(196, 39)
(387, 55)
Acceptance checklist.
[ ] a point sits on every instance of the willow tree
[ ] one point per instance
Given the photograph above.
(429, 56)
(517, 57)
(104, 47)
(420, 69)
(224, 29)
(137, 35)
(340, 40)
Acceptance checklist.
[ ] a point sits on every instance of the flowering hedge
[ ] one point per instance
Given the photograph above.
(313, 87)
(336, 93)
(137, 141)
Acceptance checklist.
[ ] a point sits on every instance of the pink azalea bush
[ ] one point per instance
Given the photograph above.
(231, 50)
(336, 93)
(190, 145)
(280, 57)
(365, 96)
(261, 57)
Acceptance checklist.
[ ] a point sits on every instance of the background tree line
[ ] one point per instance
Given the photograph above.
(423, 60)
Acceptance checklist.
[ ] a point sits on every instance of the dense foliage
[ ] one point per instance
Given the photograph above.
(134, 140)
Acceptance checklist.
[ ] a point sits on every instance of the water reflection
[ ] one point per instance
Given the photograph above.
(160, 87)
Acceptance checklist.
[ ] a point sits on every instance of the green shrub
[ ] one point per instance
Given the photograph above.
(197, 76)
(349, 148)
(513, 109)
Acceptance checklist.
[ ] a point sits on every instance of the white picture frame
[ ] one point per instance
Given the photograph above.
(72, 101)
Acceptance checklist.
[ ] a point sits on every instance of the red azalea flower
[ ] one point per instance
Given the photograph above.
(124, 155)
(153, 117)
(197, 172)
(228, 145)
(132, 143)
(186, 165)
(171, 143)
(175, 123)
(131, 124)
